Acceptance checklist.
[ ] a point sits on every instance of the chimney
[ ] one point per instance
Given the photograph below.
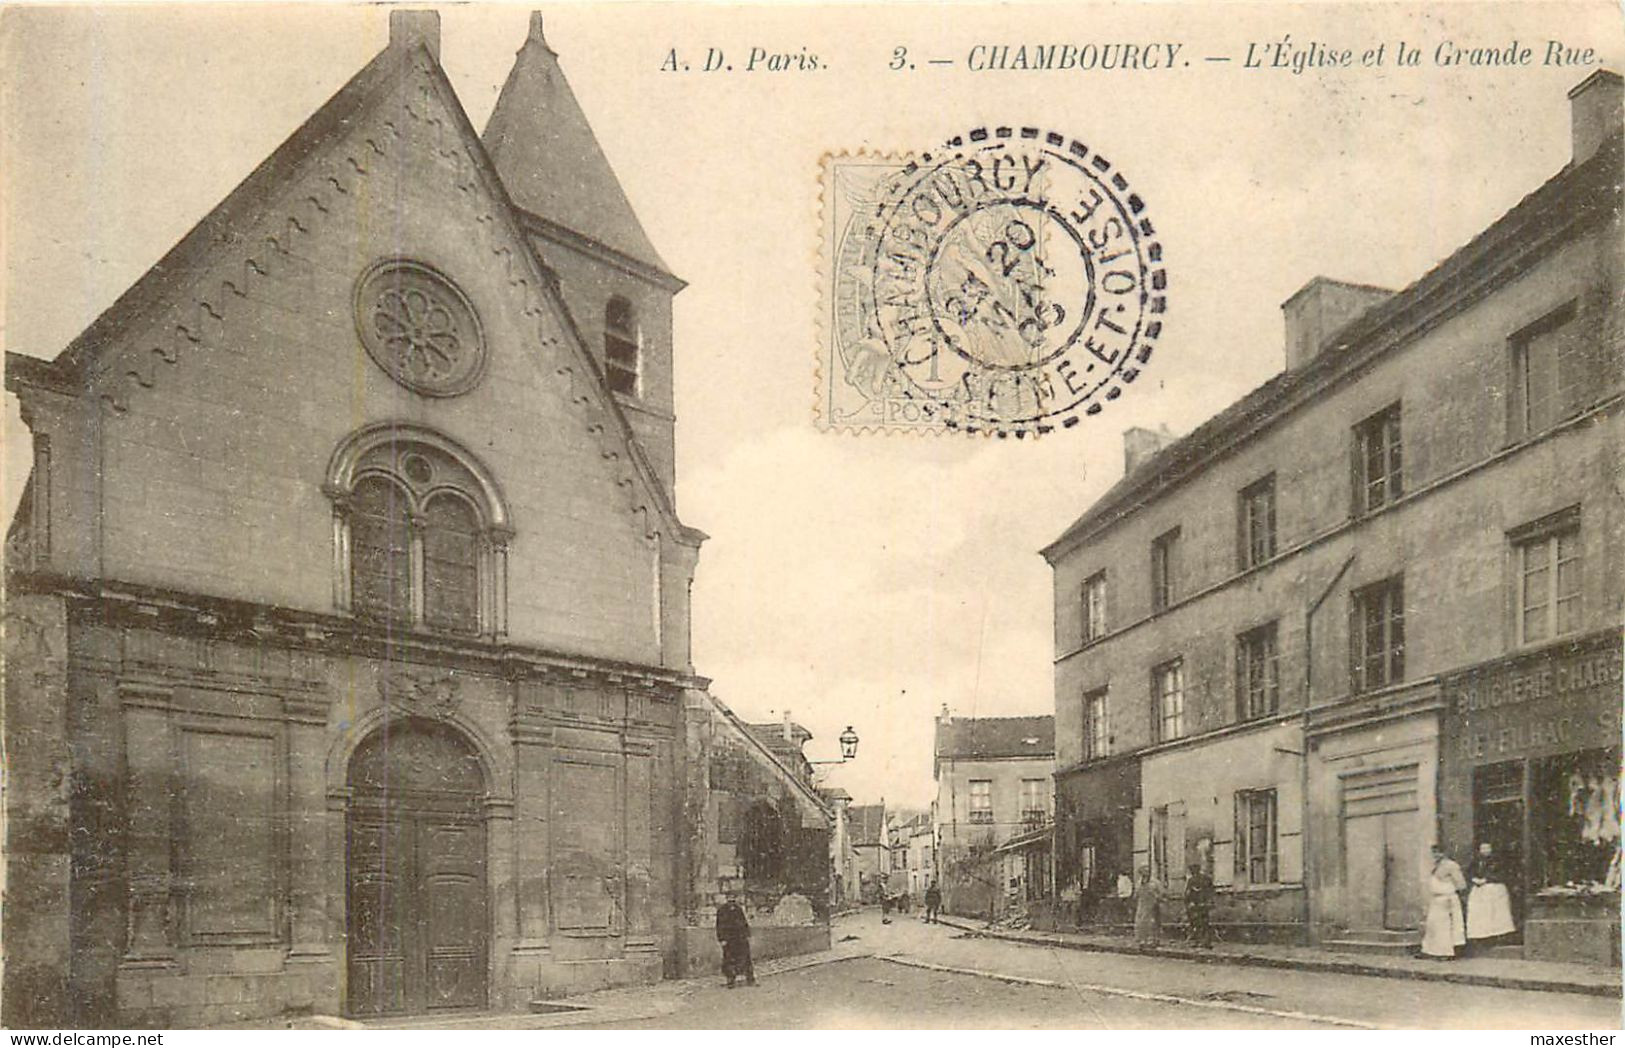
(789, 729)
(1139, 444)
(407, 28)
(945, 715)
(1595, 111)
(1320, 309)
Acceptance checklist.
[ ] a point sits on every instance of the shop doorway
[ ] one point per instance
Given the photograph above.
(1382, 848)
(1499, 820)
(415, 870)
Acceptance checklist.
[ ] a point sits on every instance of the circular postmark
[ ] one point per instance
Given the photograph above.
(1008, 283)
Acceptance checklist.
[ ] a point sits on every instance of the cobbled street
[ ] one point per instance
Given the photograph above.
(908, 974)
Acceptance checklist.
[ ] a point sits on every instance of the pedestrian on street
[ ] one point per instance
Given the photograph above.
(1199, 907)
(1147, 918)
(733, 932)
(933, 903)
(1443, 929)
(1489, 904)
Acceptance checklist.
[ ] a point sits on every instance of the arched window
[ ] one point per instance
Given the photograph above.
(420, 532)
(621, 345)
(381, 549)
(451, 564)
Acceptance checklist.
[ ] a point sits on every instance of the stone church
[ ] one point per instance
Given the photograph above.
(347, 619)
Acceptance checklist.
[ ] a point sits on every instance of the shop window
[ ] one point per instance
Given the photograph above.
(1257, 850)
(1094, 607)
(1378, 461)
(1575, 822)
(1256, 522)
(1547, 568)
(761, 843)
(1164, 565)
(621, 346)
(1096, 741)
(1377, 635)
(981, 800)
(1553, 372)
(1168, 689)
(1258, 674)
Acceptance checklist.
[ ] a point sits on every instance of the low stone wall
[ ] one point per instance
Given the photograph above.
(699, 953)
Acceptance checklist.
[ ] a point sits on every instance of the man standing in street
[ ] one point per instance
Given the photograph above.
(733, 932)
(1199, 907)
(933, 903)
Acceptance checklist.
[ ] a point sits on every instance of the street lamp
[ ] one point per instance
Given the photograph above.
(849, 747)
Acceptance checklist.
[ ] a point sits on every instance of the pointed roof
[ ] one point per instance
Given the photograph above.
(550, 161)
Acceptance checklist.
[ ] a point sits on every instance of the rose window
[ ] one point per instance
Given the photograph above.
(420, 328)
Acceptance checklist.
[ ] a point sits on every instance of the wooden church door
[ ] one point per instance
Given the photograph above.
(417, 915)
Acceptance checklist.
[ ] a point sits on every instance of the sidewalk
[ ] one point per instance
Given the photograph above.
(1505, 972)
(617, 1004)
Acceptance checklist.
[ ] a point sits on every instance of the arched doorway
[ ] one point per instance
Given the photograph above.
(416, 872)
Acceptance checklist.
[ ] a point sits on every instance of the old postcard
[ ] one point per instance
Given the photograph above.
(679, 516)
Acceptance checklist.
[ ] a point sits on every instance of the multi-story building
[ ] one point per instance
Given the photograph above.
(873, 850)
(1375, 604)
(921, 845)
(994, 781)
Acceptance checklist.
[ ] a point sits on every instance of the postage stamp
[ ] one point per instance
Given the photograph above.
(1007, 284)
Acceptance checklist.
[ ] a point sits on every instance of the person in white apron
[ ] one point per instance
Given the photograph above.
(1489, 904)
(1443, 929)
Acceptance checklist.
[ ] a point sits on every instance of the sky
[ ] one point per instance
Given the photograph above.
(849, 579)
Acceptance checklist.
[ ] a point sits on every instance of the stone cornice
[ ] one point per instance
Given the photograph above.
(247, 622)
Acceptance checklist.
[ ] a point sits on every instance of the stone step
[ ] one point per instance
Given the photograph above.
(543, 1007)
(1396, 944)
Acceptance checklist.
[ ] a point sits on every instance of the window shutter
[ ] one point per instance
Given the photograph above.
(1356, 487)
(1177, 859)
(1356, 678)
(1239, 837)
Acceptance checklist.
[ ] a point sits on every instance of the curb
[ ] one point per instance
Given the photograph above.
(1330, 965)
(1140, 995)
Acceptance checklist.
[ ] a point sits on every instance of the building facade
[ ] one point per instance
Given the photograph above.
(871, 849)
(757, 830)
(994, 782)
(348, 585)
(1375, 604)
(922, 856)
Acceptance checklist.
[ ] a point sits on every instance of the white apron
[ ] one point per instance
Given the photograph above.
(1489, 911)
(1443, 930)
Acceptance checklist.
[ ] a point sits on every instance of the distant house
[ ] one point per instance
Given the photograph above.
(993, 783)
(843, 858)
(868, 826)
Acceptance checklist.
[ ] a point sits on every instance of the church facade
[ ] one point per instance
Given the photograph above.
(348, 621)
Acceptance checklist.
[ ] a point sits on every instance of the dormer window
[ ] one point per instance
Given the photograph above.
(621, 346)
(420, 533)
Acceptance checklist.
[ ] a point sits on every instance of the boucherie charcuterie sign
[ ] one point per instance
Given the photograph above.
(1551, 701)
